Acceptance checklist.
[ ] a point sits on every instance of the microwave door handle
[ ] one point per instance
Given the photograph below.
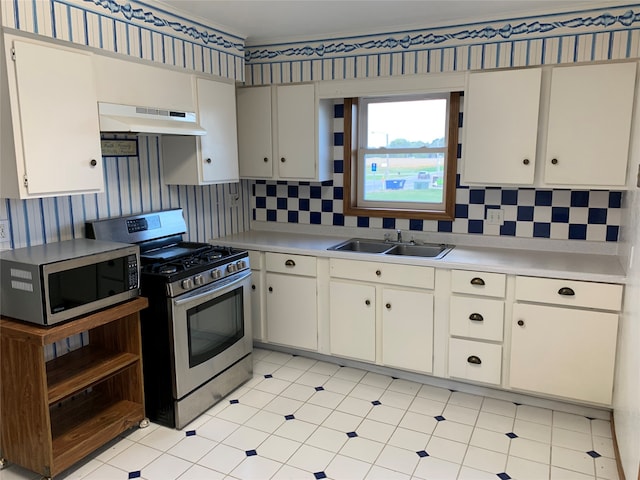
(219, 285)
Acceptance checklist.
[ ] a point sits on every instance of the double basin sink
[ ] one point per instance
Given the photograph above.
(365, 245)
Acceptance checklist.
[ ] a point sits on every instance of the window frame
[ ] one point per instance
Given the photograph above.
(351, 183)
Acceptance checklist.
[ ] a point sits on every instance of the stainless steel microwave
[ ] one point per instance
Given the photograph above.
(51, 283)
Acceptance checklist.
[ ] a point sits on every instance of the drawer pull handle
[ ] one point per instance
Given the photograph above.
(265, 159)
(378, 273)
(388, 305)
(271, 289)
(476, 317)
(477, 281)
(566, 291)
(521, 323)
(367, 302)
(474, 360)
(289, 263)
(283, 159)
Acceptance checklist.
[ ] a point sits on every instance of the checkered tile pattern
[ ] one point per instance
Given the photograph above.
(560, 214)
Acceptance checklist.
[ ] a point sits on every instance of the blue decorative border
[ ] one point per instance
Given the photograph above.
(407, 40)
(139, 14)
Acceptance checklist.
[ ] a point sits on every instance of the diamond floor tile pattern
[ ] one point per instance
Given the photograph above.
(299, 418)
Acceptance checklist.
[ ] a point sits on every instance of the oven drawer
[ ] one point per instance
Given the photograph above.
(476, 361)
(291, 264)
(478, 283)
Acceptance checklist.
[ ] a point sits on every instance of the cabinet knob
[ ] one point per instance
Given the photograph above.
(521, 323)
(388, 305)
(283, 159)
(367, 302)
(477, 281)
(474, 360)
(271, 289)
(208, 160)
(253, 287)
(289, 263)
(554, 161)
(476, 317)
(525, 161)
(93, 162)
(378, 273)
(566, 291)
(265, 159)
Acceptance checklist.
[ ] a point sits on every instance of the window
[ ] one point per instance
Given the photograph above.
(400, 156)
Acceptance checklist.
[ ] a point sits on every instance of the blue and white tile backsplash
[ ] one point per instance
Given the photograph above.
(530, 213)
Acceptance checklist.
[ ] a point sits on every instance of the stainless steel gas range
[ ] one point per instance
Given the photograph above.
(196, 333)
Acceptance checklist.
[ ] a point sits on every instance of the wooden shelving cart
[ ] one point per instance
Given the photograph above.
(53, 414)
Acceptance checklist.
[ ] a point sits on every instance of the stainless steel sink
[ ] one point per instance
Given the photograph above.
(362, 245)
(433, 251)
(365, 245)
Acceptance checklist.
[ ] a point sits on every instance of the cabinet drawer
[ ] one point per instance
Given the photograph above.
(292, 264)
(255, 260)
(480, 318)
(478, 283)
(476, 361)
(389, 273)
(604, 296)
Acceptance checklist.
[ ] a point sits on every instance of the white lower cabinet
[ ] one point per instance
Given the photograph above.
(476, 326)
(562, 351)
(407, 329)
(257, 296)
(352, 320)
(291, 300)
(477, 361)
(382, 313)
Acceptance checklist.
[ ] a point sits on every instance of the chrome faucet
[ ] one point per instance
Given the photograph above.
(399, 232)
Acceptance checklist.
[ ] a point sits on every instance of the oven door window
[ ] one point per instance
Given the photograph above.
(214, 326)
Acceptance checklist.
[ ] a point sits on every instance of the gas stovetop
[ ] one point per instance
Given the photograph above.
(186, 266)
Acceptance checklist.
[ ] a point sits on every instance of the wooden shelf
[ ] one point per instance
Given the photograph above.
(53, 414)
(89, 420)
(83, 368)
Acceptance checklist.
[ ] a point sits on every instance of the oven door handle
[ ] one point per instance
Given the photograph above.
(212, 287)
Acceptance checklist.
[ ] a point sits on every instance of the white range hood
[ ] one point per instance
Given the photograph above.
(147, 120)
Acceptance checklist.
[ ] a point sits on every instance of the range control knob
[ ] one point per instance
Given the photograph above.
(198, 280)
(187, 284)
(216, 274)
(241, 264)
(231, 268)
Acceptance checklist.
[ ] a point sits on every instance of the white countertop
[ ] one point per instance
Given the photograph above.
(571, 266)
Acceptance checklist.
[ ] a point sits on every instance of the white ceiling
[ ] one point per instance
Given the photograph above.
(275, 21)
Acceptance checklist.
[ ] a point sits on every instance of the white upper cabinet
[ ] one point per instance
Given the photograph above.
(284, 133)
(501, 127)
(54, 119)
(589, 124)
(211, 158)
(566, 126)
(127, 82)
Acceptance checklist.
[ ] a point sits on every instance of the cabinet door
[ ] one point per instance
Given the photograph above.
(589, 124)
(58, 118)
(257, 289)
(254, 132)
(217, 115)
(296, 131)
(407, 329)
(501, 126)
(352, 322)
(564, 352)
(292, 313)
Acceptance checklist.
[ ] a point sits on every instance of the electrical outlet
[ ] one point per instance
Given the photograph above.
(233, 199)
(495, 216)
(5, 234)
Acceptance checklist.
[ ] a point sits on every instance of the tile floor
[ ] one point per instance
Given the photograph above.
(303, 419)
